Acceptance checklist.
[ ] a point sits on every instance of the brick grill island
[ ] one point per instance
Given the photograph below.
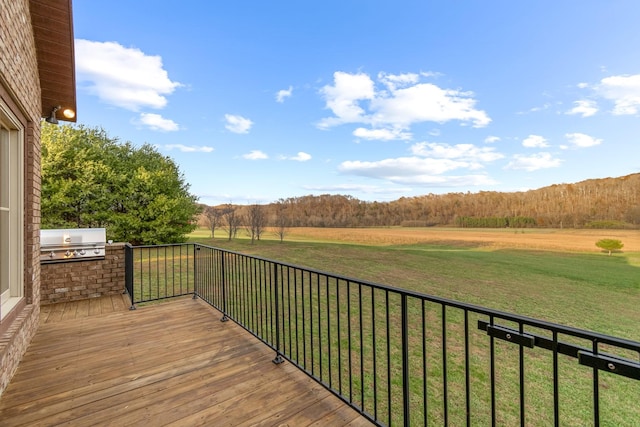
(77, 279)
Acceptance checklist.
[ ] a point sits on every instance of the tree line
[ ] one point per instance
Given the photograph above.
(92, 180)
(595, 203)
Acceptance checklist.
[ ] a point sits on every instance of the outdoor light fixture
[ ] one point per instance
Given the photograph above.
(52, 117)
(67, 113)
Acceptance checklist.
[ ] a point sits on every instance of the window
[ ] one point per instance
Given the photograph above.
(11, 210)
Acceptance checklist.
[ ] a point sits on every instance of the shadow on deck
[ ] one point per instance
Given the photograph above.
(95, 362)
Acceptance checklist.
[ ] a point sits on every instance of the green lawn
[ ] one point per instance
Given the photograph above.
(589, 291)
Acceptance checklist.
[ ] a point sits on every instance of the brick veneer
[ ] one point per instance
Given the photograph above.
(20, 91)
(76, 280)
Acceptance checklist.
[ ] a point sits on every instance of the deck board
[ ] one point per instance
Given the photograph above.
(97, 363)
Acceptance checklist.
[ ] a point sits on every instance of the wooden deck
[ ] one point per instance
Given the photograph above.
(173, 363)
(84, 308)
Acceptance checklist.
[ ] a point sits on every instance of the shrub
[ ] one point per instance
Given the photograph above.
(609, 245)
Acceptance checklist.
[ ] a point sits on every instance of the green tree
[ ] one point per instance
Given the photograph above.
(92, 180)
(609, 245)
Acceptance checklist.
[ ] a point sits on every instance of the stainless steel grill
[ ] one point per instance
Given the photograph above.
(72, 244)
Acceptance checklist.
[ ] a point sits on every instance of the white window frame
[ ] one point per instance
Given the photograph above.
(12, 140)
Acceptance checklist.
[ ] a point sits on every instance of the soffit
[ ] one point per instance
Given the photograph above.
(52, 22)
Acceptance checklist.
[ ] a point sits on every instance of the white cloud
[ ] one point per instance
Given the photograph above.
(533, 162)
(121, 76)
(491, 139)
(535, 141)
(543, 107)
(469, 153)
(430, 74)
(255, 155)
(284, 93)
(584, 107)
(415, 170)
(429, 165)
(189, 148)
(382, 134)
(350, 188)
(157, 122)
(237, 124)
(446, 181)
(401, 166)
(581, 140)
(624, 91)
(426, 102)
(393, 81)
(342, 98)
(300, 157)
(401, 102)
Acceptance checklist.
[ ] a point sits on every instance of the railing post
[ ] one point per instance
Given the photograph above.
(196, 252)
(405, 360)
(278, 359)
(128, 273)
(223, 275)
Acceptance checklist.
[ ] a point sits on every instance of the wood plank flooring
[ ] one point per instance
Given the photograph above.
(172, 363)
(83, 308)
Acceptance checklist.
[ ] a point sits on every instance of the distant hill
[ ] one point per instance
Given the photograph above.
(596, 203)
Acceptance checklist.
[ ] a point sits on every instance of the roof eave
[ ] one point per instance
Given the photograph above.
(52, 22)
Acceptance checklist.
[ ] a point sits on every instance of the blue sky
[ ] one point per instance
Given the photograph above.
(262, 100)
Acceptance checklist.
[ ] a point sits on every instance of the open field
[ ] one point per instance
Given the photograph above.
(581, 240)
(555, 275)
(539, 239)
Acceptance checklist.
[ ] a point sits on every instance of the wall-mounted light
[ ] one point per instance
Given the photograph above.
(67, 113)
(52, 117)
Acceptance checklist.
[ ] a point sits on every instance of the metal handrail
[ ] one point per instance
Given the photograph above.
(399, 356)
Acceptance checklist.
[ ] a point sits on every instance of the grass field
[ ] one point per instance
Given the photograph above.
(568, 240)
(554, 275)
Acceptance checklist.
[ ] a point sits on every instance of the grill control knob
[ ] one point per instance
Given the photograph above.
(51, 255)
(67, 254)
(82, 252)
(96, 251)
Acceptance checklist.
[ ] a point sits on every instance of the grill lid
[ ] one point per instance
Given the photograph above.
(71, 244)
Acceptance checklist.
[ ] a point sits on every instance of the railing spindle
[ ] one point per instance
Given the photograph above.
(404, 315)
(445, 383)
(467, 375)
(556, 394)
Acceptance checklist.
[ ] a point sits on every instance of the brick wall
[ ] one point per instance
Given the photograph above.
(76, 280)
(20, 91)
(14, 342)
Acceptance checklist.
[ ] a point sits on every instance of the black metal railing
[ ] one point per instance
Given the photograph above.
(158, 272)
(401, 357)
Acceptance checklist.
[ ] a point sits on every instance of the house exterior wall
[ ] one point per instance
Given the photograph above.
(77, 280)
(20, 90)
